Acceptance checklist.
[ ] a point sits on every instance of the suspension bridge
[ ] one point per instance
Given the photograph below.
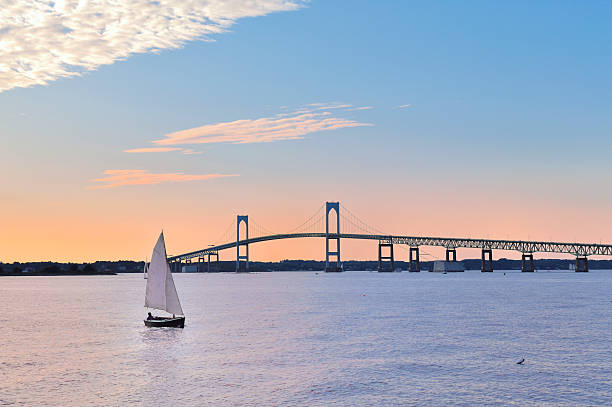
(348, 226)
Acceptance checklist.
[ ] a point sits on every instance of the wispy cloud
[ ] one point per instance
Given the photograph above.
(42, 41)
(328, 106)
(151, 150)
(360, 108)
(120, 178)
(288, 126)
(403, 106)
(190, 151)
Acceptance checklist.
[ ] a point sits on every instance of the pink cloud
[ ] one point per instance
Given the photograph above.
(190, 151)
(120, 178)
(267, 129)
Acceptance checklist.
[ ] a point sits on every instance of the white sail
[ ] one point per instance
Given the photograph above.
(173, 305)
(161, 291)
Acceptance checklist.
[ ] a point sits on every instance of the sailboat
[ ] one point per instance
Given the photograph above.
(161, 292)
(145, 269)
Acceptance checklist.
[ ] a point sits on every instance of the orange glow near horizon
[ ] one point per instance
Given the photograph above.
(126, 225)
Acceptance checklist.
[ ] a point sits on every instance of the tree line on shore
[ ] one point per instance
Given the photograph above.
(127, 266)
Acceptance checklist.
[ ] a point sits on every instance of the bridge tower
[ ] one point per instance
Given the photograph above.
(381, 267)
(335, 206)
(245, 257)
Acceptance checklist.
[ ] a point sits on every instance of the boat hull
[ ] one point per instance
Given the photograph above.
(161, 322)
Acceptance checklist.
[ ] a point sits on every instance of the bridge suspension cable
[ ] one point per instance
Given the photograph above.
(257, 230)
(228, 235)
(314, 224)
(351, 223)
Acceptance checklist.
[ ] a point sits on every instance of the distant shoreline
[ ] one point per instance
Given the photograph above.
(40, 273)
(54, 269)
(128, 266)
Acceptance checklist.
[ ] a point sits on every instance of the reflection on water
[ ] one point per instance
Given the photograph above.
(168, 336)
(311, 339)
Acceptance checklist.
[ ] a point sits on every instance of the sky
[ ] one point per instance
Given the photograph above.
(438, 118)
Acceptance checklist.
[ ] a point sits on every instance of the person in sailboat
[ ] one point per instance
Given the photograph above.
(150, 317)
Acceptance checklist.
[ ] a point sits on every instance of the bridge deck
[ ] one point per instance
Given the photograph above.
(578, 249)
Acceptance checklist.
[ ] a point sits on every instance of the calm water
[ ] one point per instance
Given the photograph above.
(294, 339)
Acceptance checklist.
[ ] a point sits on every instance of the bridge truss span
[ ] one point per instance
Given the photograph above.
(578, 249)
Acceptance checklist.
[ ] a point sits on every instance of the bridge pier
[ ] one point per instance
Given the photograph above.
(486, 266)
(331, 267)
(245, 257)
(414, 265)
(216, 254)
(451, 254)
(389, 258)
(582, 264)
(527, 263)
